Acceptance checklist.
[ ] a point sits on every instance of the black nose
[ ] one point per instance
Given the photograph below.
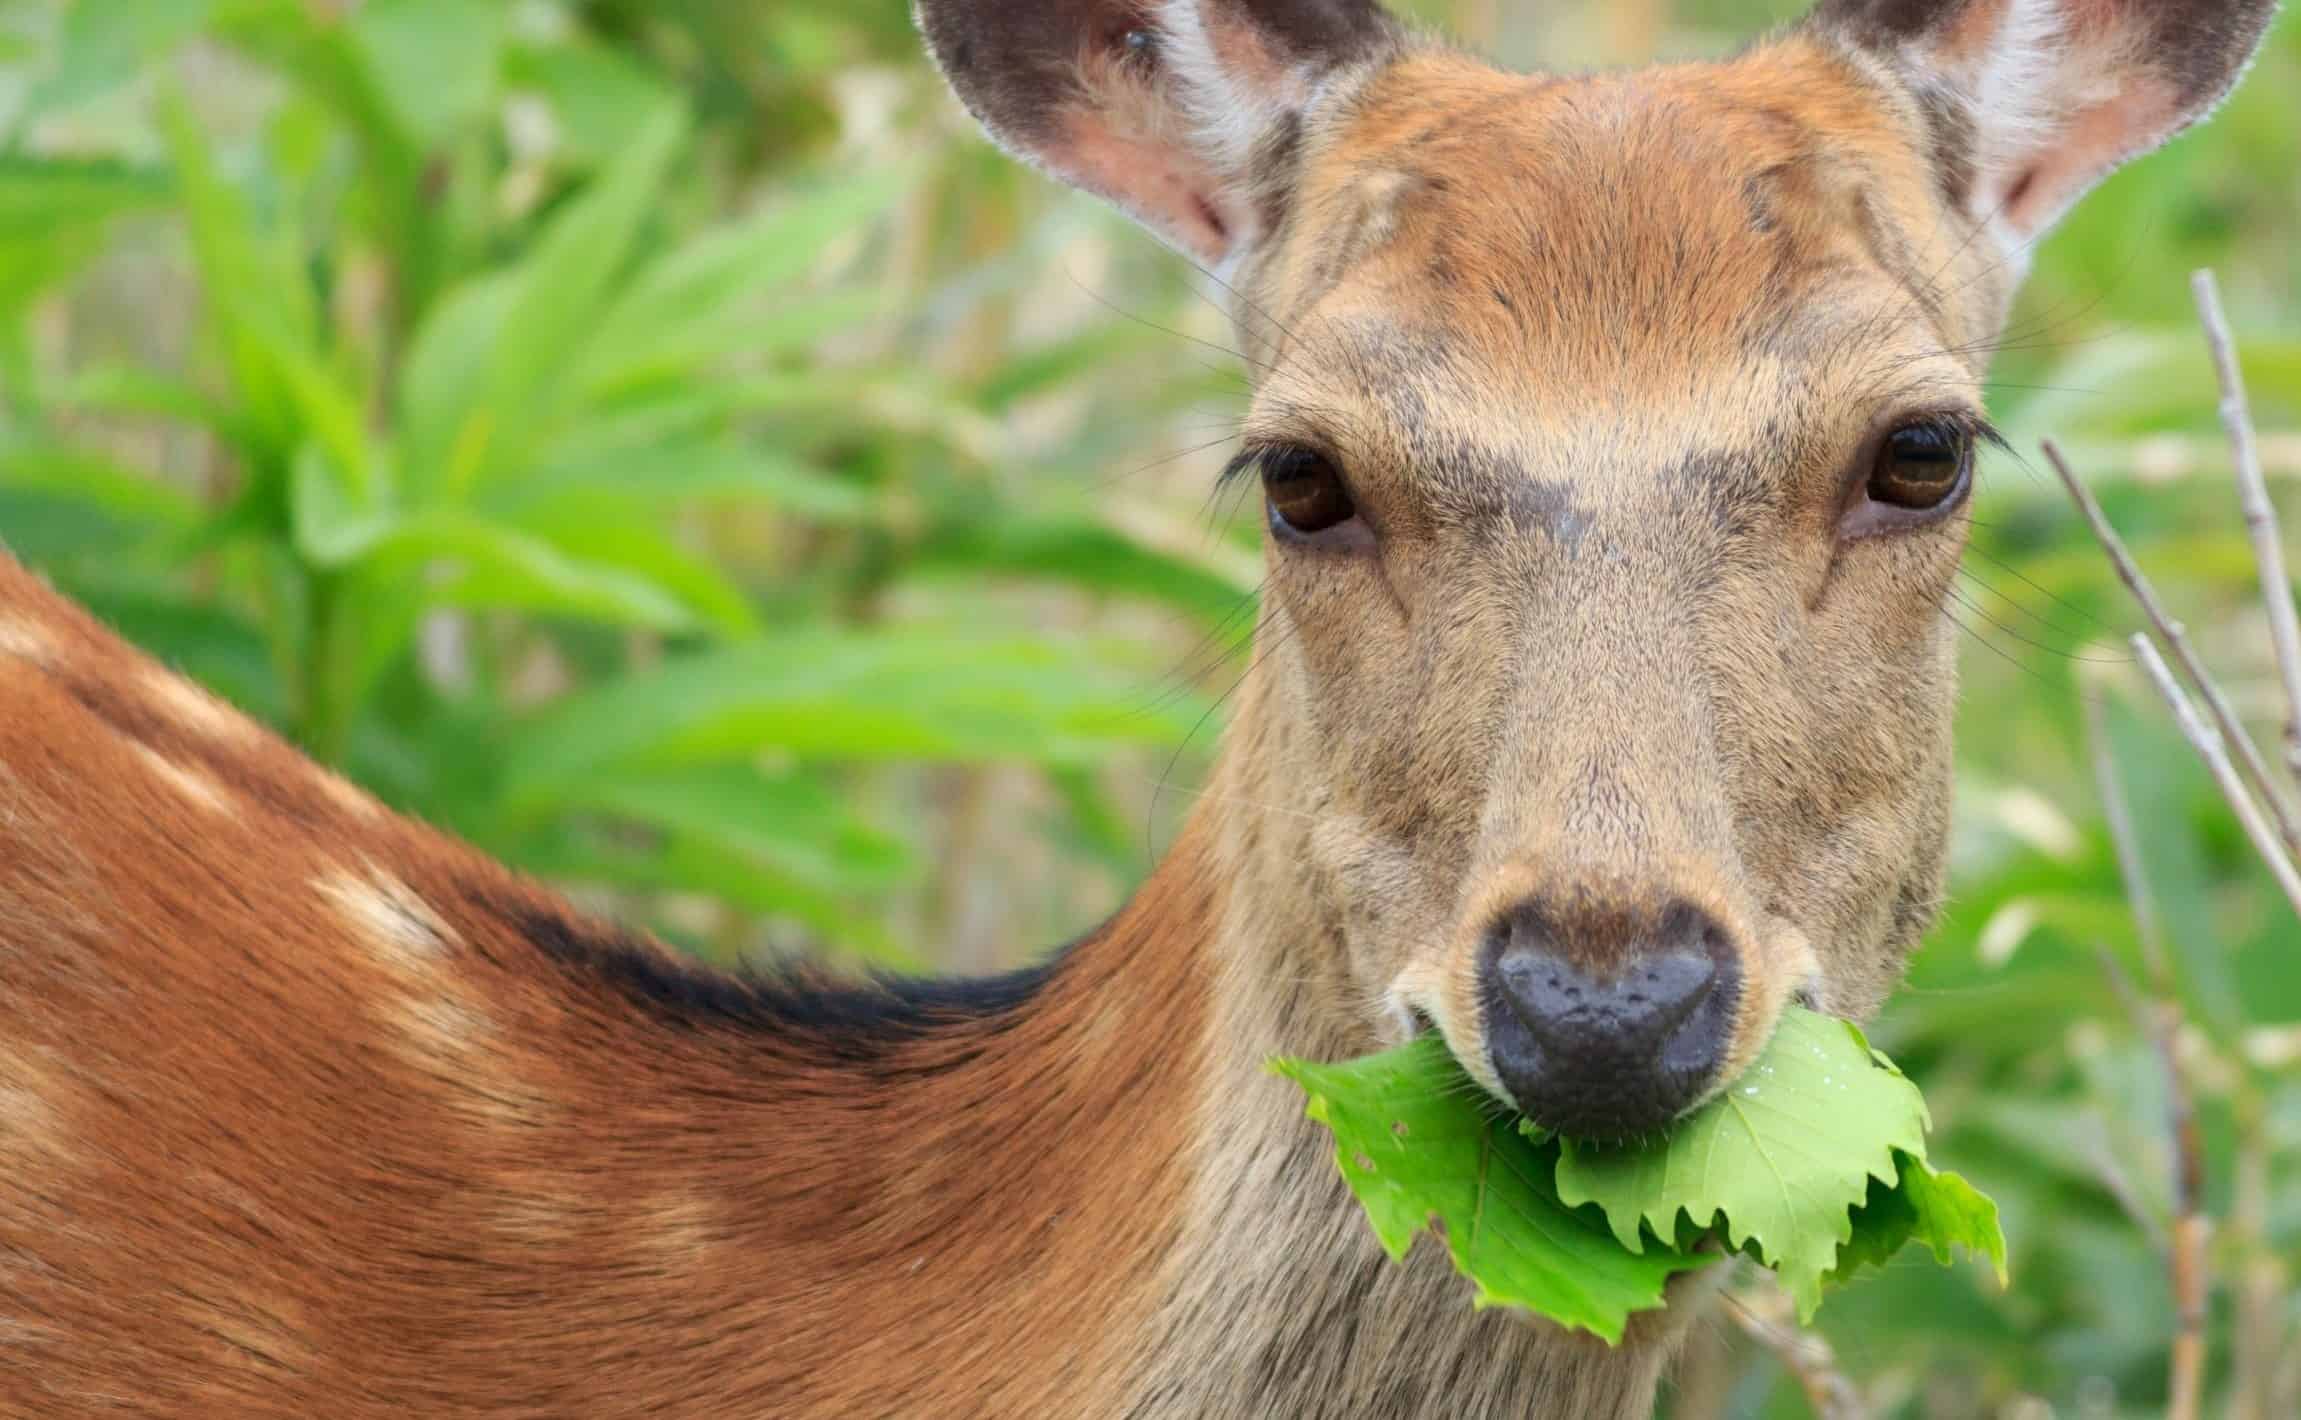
(1622, 1045)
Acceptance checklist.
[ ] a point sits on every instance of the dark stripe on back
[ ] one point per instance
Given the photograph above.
(854, 1022)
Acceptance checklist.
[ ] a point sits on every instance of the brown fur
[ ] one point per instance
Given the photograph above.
(307, 1110)
(261, 1160)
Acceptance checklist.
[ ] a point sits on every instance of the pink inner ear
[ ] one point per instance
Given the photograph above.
(2084, 147)
(1157, 182)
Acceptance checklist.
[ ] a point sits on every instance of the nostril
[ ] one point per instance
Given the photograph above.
(1612, 1028)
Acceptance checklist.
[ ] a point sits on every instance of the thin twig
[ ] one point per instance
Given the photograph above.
(2265, 784)
(2260, 513)
(2209, 746)
(1767, 1317)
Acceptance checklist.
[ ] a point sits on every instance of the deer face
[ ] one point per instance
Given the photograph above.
(1616, 436)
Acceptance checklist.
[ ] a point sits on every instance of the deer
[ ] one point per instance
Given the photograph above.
(1616, 434)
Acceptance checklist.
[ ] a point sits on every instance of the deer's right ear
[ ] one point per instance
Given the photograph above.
(2043, 97)
(1182, 112)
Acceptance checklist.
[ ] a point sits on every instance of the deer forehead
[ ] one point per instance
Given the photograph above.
(1670, 233)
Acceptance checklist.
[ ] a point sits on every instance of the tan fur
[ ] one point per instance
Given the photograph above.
(307, 1110)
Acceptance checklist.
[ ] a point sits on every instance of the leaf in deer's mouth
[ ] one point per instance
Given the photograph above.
(1421, 1144)
(1813, 1163)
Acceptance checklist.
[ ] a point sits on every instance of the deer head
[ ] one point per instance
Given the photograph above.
(1616, 434)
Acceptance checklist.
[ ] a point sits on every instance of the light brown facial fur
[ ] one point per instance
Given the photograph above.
(1598, 357)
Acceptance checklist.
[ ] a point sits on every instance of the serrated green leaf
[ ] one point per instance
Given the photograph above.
(1939, 1211)
(1819, 1173)
(1421, 1146)
(1778, 1160)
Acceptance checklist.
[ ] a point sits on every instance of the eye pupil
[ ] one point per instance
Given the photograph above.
(1305, 492)
(1921, 466)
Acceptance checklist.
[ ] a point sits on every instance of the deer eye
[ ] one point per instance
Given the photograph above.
(1305, 492)
(1922, 466)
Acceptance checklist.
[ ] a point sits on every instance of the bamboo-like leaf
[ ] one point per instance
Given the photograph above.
(464, 561)
(434, 63)
(858, 696)
(106, 43)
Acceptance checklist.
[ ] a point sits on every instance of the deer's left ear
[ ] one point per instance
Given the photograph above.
(2045, 97)
(1180, 112)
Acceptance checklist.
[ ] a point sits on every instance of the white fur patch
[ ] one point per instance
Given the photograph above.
(195, 709)
(27, 641)
(184, 779)
(387, 917)
(683, 1227)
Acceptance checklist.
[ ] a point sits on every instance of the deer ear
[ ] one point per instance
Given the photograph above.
(1179, 111)
(2045, 97)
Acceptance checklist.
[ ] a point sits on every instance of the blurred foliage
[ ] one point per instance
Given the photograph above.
(656, 440)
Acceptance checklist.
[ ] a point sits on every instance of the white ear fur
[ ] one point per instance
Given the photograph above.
(2060, 92)
(1164, 107)
(1227, 90)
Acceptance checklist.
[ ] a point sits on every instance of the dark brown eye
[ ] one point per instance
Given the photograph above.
(1305, 492)
(1921, 466)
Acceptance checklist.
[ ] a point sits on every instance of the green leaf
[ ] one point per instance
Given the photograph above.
(878, 695)
(561, 288)
(1087, 554)
(580, 530)
(40, 195)
(1940, 1211)
(333, 522)
(600, 96)
(468, 562)
(667, 475)
(434, 63)
(442, 434)
(1777, 1161)
(1422, 1148)
(260, 301)
(106, 43)
(488, 366)
(790, 824)
(1819, 1173)
(85, 476)
(696, 302)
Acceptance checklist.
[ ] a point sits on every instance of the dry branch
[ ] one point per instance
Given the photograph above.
(2210, 747)
(2175, 635)
(1767, 1317)
(2260, 513)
